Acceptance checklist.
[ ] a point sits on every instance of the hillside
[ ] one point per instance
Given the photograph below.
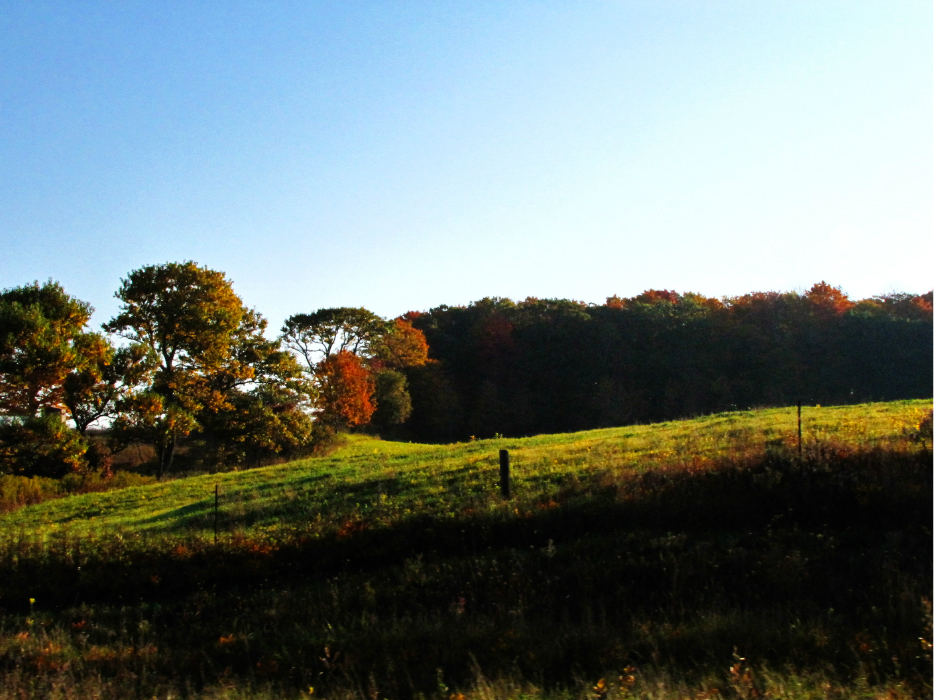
(393, 569)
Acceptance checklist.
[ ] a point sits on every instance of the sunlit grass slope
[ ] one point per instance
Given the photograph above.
(704, 558)
(390, 481)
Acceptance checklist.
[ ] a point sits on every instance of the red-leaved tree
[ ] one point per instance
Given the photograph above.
(345, 391)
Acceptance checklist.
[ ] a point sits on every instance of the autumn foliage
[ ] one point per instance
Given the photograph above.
(196, 367)
(345, 390)
(558, 365)
(354, 359)
(404, 345)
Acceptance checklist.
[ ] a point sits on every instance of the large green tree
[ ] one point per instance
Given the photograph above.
(216, 373)
(187, 316)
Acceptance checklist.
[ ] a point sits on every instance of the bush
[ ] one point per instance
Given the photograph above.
(41, 446)
(324, 438)
(19, 491)
(99, 458)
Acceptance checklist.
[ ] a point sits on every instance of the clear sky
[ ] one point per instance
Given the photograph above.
(400, 155)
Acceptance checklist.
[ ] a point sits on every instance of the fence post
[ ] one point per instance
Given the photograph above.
(799, 429)
(216, 498)
(504, 473)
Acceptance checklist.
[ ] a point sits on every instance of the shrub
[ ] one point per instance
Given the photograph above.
(19, 491)
(41, 446)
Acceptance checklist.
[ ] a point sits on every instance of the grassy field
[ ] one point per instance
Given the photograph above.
(697, 558)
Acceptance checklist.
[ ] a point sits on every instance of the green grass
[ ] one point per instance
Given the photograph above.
(395, 570)
(439, 480)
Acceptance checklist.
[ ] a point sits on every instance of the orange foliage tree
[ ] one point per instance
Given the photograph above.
(345, 391)
(403, 345)
(828, 299)
(655, 296)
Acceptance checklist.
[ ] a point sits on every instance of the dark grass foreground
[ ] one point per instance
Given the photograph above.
(760, 575)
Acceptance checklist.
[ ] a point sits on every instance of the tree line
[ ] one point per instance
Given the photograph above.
(185, 361)
(556, 365)
(192, 363)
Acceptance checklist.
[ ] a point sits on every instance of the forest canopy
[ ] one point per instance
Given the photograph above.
(555, 365)
(186, 361)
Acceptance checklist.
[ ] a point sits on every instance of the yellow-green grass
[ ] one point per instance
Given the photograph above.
(390, 481)
(654, 557)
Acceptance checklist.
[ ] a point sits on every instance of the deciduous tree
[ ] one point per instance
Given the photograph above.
(346, 351)
(325, 332)
(345, 391)
(393, 402)
(39, 329)
(107, 375)
(402, 345)
(263, 400)
(218, 376)
(187, 315)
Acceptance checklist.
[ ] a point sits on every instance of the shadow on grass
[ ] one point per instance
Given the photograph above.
(184, 516)
(820, 564)
(846, 498)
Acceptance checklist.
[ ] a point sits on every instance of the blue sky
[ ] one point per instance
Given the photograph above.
(402, 155)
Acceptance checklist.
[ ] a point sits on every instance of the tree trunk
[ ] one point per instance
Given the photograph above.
(168, 466)
(166, 453)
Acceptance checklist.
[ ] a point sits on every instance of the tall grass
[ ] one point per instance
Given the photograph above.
(699, 558)
(19, 491)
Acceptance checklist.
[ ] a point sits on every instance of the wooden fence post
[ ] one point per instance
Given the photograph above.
(504, 473)
(216, 498)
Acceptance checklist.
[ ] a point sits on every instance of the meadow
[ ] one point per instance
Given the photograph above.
(699, 558)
